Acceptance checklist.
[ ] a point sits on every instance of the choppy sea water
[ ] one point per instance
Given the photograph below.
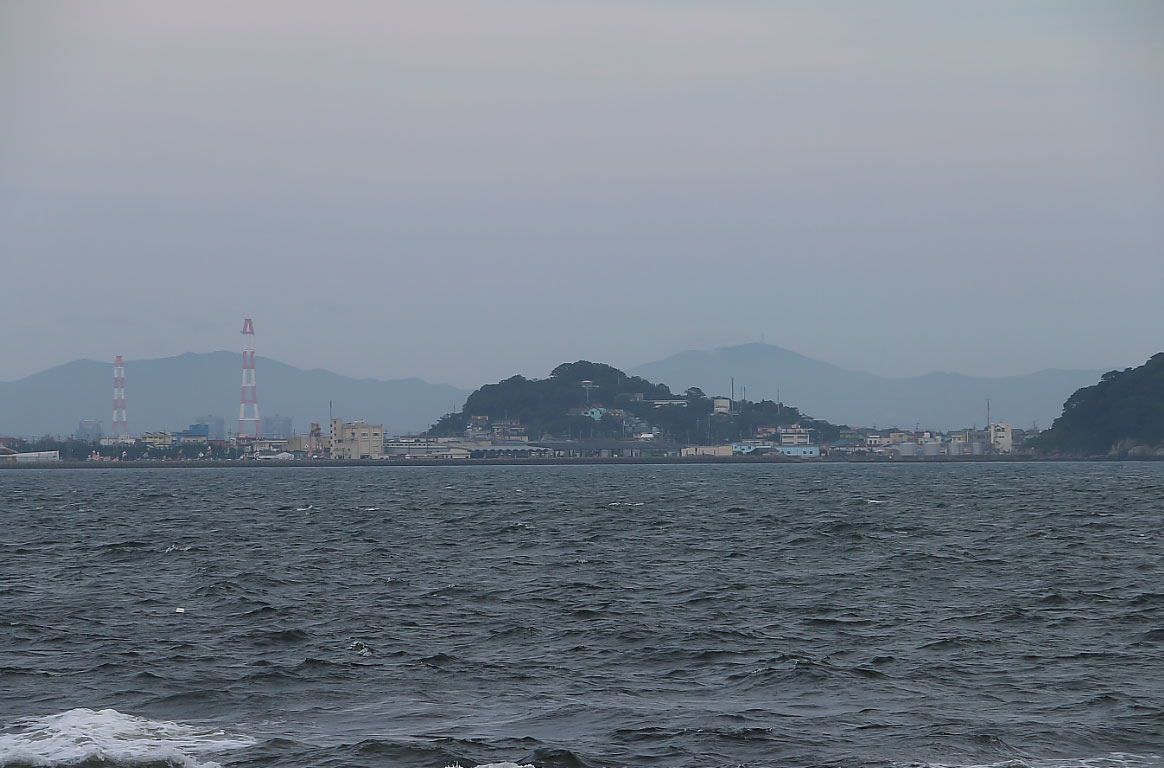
(670, 616)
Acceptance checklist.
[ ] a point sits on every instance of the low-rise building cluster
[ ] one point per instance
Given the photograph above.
(490, 437)
(998, 438)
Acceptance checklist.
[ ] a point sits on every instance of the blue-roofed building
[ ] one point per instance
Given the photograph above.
(195, 433)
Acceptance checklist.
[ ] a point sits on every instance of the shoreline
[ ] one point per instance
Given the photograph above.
(544, 461)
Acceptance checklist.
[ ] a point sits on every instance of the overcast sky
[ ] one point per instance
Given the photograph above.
(464, 189)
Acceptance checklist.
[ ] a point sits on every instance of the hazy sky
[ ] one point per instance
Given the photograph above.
(461, 190)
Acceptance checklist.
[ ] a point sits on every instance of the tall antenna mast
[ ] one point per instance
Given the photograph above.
(120, 425)
(249, 395)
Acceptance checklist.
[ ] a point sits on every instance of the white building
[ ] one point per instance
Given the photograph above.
(706, 450)
(1001, 437)
(420, 448)
(798, 450)
(32, 456)
(794, 435)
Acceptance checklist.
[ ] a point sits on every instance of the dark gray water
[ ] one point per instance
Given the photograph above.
(781, 615)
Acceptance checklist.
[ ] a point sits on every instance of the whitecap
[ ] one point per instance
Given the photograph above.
(496, 765)
(84, 736)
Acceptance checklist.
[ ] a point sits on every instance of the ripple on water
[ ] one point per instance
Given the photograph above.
(673, 617)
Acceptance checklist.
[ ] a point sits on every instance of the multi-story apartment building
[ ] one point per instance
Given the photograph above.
(89, 430)
(215, 426)
(157, 439)
(1001, 438)
(356, 440)
(794, 435)
(276, 427)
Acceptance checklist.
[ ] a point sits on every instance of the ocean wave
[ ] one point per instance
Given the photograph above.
(1112, 760)
(108, 737)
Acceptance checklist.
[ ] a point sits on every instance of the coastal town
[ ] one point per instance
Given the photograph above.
(581, 411)
(205, 439)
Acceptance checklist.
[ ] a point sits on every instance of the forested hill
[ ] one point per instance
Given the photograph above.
(1123, 412)
(551, 407)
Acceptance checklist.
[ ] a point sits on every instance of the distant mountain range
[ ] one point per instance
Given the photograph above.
(934, 400)
(169, 393)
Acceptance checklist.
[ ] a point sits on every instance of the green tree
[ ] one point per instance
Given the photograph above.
(1124, 409)
(552, 406)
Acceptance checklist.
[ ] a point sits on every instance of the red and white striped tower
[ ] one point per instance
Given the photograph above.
(120, 425)
(249, 396)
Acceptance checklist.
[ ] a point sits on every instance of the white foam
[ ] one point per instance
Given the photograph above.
(496, 765)
(86, 736)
